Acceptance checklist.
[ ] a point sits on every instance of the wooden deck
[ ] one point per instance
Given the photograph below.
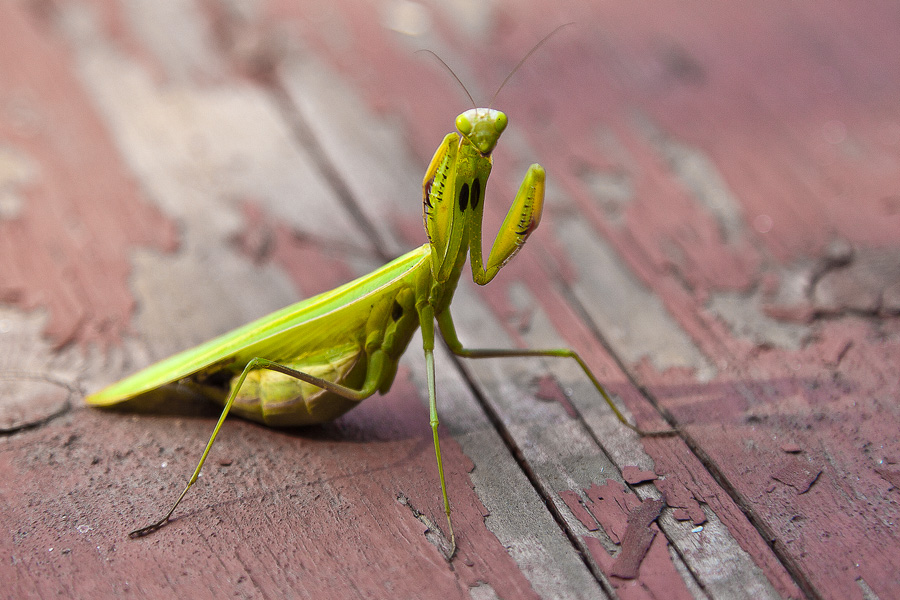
(721, 243)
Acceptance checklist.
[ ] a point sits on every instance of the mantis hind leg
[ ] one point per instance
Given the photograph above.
(371, 385)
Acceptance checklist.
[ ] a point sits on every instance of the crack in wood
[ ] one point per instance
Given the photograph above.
(433, 533)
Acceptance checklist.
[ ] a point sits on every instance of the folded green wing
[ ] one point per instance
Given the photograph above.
(328, 320)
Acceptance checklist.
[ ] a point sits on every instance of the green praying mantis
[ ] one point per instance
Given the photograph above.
(313, 361)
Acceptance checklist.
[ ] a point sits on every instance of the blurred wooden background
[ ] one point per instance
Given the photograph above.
(720, 243)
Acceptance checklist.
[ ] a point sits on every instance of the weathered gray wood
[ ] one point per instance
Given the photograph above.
(719, 244)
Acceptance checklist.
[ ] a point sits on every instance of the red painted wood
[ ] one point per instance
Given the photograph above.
(81, 210)
(758, 149)
(333, 493)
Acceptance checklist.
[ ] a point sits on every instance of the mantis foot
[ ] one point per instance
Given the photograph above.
(139, 533)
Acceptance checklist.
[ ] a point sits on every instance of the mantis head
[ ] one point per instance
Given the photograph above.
(482, 128)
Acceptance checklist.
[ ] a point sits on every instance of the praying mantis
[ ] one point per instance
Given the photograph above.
(313, 361)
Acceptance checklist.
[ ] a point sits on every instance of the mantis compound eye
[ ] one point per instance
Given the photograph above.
(500, 121)
(463, 124)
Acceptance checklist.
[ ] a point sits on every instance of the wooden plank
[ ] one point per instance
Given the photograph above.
(775, 398)
(720, 244)
(188, 146)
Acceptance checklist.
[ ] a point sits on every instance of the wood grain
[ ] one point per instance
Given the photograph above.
(720, 244)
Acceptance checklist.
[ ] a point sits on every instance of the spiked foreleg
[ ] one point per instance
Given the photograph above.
(523, 217)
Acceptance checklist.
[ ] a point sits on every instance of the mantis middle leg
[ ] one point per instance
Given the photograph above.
(448, 331)
(426, 320)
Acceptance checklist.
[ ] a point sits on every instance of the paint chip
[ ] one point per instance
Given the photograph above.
(681, 514)
(684, 498)
(892, 476)
(637, 539)
(609, 503)
(634, 475)
(797, 474)
(579, 510)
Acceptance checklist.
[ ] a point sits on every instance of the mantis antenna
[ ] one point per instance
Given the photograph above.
(458, 80)
(508, 77)
(524, 58)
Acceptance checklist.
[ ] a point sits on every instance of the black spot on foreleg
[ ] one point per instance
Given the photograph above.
(464, 197)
